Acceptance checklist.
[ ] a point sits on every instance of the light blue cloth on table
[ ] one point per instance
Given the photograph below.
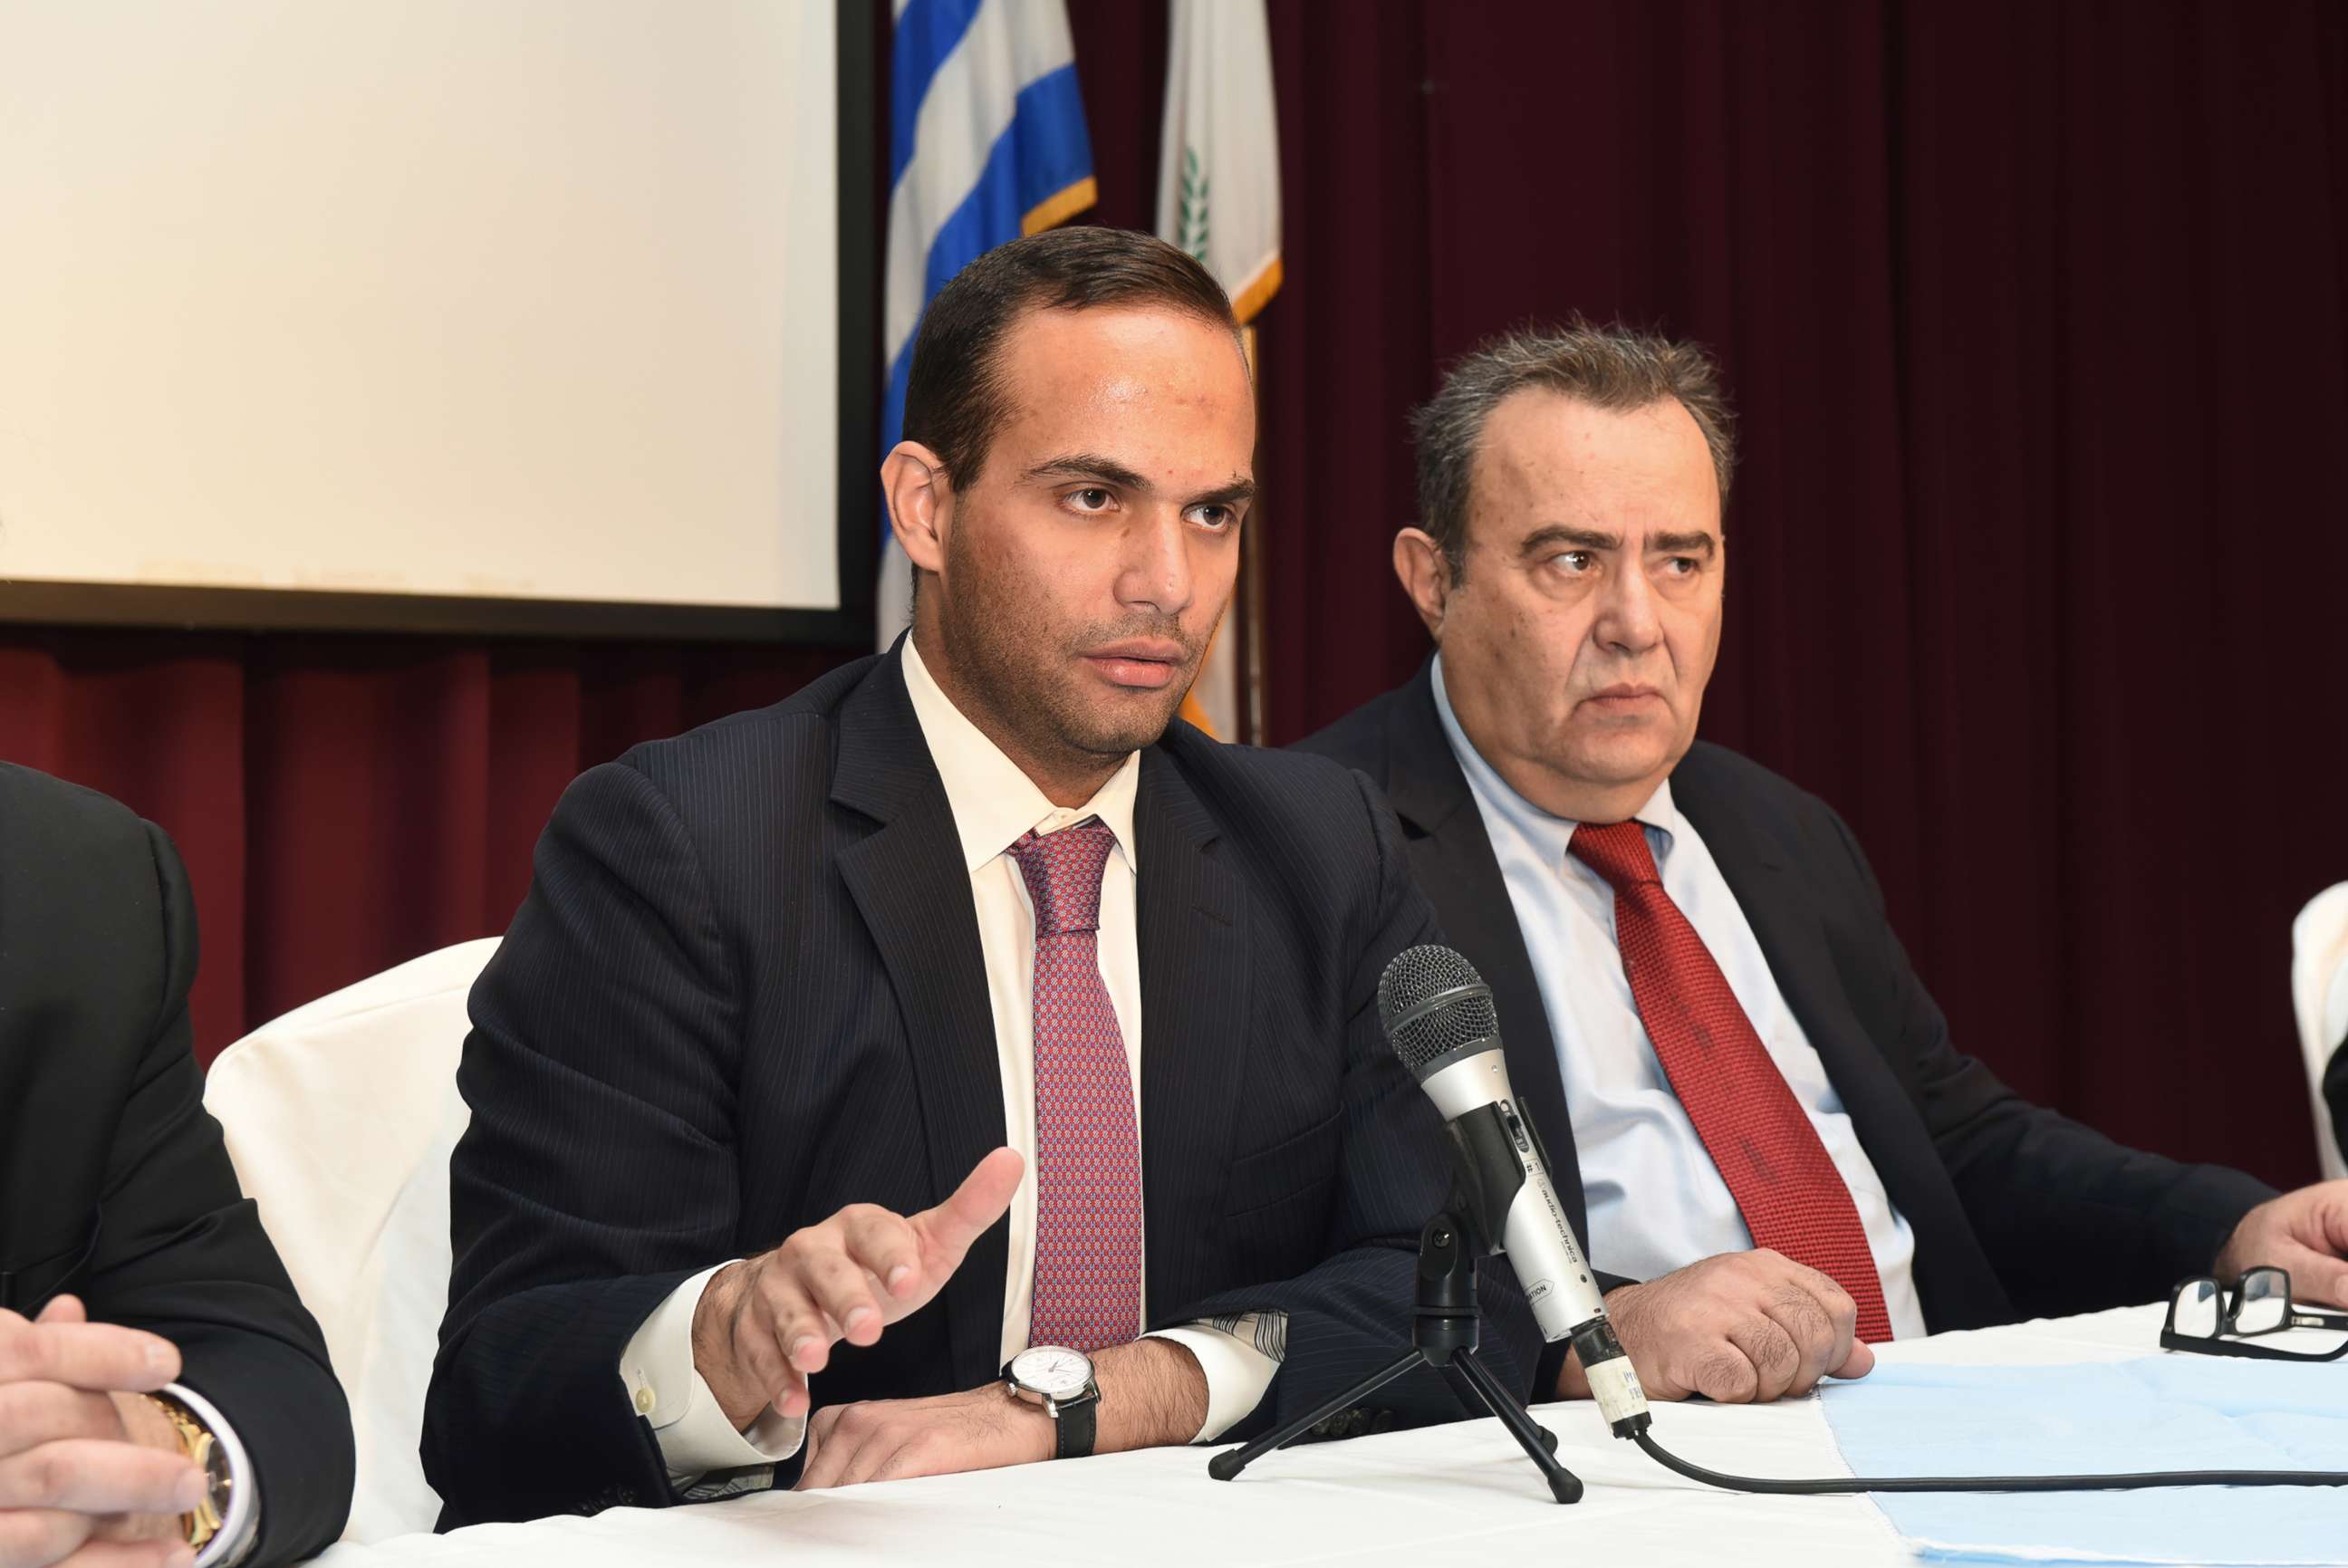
(2159, 1413)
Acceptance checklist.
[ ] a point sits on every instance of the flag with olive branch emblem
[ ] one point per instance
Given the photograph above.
(1218, 199)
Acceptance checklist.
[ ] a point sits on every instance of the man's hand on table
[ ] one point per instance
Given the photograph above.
(764, 1323)
(91, 1475)
(1152, 1395)
(1739, 1329)
(2304, 1232)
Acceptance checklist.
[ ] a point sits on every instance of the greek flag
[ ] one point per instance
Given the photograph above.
(986, 142)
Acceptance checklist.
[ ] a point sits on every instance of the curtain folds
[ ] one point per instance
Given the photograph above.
(2038, 320)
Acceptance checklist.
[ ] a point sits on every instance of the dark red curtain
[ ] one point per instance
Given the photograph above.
(2035, 316)
(346, 803)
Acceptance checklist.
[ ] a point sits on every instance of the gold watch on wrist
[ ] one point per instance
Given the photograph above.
(196, 1441)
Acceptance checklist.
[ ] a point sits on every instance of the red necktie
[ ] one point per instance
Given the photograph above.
(1783, 1180)
(1088, 1150)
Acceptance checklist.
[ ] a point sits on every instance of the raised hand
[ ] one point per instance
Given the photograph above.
(764, 1323)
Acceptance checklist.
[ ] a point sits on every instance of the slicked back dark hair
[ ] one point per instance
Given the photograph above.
(954, 397)
(1610, 367)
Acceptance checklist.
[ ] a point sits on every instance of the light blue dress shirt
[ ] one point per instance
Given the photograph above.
(1656, 1201)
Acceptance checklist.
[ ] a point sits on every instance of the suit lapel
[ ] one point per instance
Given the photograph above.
(909, 882)
(1451, 857)
(1191, 929)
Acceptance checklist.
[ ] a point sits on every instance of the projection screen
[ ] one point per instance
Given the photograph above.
(495, 316)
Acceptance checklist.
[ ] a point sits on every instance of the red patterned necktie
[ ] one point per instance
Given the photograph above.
(1769, 1153)
(1088, 1150)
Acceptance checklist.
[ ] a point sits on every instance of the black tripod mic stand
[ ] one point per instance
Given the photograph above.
(1443, 1335)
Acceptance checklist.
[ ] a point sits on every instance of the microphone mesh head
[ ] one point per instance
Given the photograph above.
(1418, 975)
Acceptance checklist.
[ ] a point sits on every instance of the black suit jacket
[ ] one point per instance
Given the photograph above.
(114, 1183)
(2017, 1211)
(747, 989)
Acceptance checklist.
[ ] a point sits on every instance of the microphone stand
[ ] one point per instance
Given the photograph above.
(1443, 1335)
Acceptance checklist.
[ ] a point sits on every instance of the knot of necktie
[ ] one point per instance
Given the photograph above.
(1063, 874)
(1617, 851)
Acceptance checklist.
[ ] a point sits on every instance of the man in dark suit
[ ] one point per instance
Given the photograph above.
(1761, 1124)
(164, 1397)
(798, 1002)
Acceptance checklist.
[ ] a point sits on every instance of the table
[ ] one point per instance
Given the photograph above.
(1448, 1494)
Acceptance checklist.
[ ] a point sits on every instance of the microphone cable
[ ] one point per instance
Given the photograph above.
(1439, 1017)
(2139, 1481)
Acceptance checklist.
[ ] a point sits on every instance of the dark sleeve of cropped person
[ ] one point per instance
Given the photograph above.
(143, 1303)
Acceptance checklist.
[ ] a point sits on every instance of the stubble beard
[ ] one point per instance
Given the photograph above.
(1021, 667)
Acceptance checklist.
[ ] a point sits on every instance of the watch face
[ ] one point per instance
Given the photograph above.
(1055, 1373)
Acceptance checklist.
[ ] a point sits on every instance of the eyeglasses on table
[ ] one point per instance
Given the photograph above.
(2206, 1319)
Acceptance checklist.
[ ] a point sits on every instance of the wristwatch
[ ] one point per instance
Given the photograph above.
(221, 1527)
(196, 1441)
(1060, 1381)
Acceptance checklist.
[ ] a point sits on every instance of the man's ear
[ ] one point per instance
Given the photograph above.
(1424, 572)
(921, 502)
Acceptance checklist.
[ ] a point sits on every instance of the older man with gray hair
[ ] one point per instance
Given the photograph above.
(1758, 1119)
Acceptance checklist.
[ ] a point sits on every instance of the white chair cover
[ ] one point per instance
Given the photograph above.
(2318, 993)
(340, 1117)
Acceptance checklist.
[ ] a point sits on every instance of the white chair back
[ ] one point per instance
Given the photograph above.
(340, 1118)
(2319, 994)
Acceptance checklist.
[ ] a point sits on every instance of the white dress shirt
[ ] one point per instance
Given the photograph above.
(1657, 1201)
(993, 803)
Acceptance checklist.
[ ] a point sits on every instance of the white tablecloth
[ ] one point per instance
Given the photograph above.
(1439, 1495)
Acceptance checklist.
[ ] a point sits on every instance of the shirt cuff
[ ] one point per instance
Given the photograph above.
(1238, 1367)
(694, 1437)
(233, 1540)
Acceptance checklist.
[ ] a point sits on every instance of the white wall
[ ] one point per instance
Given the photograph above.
(529, 299)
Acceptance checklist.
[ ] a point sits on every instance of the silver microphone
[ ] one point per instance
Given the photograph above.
(1439, 1016)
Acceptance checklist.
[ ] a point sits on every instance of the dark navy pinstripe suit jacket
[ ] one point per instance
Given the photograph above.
(747, 989)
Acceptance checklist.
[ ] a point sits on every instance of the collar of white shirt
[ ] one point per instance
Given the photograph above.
(993, 801)
(1552, 835)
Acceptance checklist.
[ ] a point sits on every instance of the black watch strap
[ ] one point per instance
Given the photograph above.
(1074, 1426)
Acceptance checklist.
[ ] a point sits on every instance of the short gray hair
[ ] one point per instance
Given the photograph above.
(1611, 367)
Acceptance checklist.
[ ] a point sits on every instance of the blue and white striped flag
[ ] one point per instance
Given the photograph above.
(986, 142)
